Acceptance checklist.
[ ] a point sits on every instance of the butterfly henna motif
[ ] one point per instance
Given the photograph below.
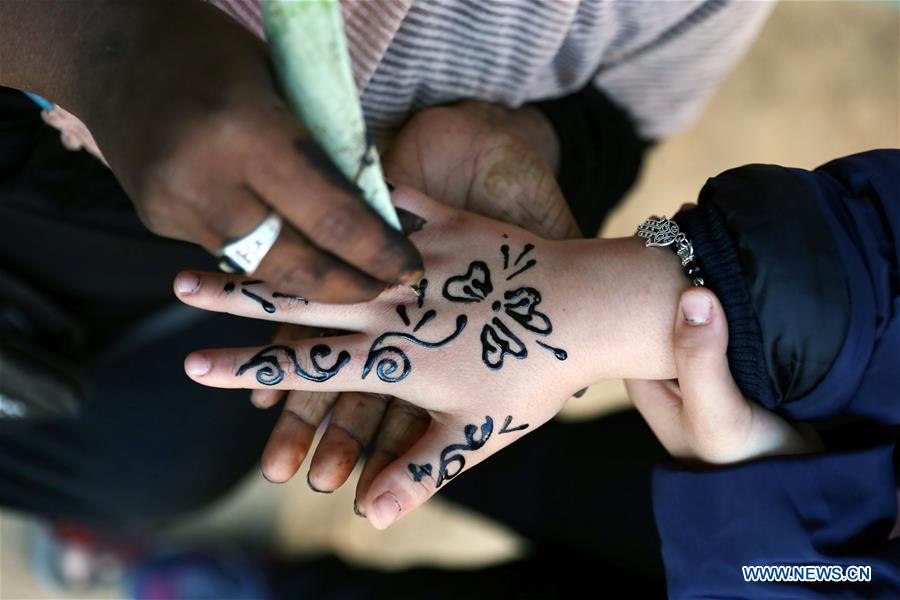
(498, 340)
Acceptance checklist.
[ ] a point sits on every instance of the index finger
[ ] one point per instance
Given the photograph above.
(302, 183)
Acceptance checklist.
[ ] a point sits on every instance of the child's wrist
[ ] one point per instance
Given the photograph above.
(618, 307)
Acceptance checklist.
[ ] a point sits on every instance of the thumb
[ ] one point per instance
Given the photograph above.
(711, 398)
(446, 449)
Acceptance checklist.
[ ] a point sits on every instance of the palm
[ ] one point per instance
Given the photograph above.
(470, 160)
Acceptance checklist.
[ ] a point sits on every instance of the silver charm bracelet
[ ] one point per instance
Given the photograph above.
(665, 232)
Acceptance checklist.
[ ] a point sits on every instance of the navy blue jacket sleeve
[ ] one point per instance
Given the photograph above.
(829, 509)
(835, 508)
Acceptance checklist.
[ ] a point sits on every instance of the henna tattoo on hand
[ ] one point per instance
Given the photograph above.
(420, 471)
(429, 315)
(420, 292)
(270, 371)
(520, 304)
(494, 347)
(388, 366)
(452, 462)
(451, 456)
(559, 353)
(392, 359)
(472, 286)
(267, 305)
(507, 429)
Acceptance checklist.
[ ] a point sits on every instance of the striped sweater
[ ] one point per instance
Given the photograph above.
(657, 59)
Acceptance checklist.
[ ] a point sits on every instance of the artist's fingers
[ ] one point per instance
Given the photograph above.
(302, 183)
(659, 403)
(297, 266)
(446, 449)
(293, 434)
(415, 202)
(353, 423)
(245, 297)
(402, 426)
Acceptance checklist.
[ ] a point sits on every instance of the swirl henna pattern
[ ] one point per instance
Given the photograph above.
(452, 462)
(388, 366)
(392, 362)
(270, 371)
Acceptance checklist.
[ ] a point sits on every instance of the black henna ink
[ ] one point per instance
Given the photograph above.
(229, 287)
(267, 306)
(521, 306)
(270, 371)
(495, 346)
(410, 222)
(527, 266)
(507, 429)
(429, 315)
(528, 248)
(420, 471)
(388, 366)
(472, 286)
(559, 353)
(401, 311)
(451, 455)
(420, 292)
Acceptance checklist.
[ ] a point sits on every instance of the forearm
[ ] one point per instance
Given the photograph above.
(61, 49)
(620, 308)
(74, 53)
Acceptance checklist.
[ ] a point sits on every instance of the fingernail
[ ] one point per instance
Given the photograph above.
(411, 277)
(410, 222)
(314, 488)
(266, 477)
(387, 509)
(187, 283)
(197, 364)
(358, 512)
(695, 308)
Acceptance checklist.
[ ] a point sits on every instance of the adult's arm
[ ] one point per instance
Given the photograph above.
(182, 103)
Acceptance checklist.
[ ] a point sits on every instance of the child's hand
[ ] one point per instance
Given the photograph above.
(703, 417)
(491, 348)
(491, 161)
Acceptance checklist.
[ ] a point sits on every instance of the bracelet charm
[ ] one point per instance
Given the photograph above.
(665, 232)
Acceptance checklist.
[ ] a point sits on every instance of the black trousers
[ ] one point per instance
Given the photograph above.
(150, 444)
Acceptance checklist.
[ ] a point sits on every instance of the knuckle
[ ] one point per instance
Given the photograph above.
(156, 213)
(340, 223)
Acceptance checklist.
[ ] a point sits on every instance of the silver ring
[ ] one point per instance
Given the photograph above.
(243, 255)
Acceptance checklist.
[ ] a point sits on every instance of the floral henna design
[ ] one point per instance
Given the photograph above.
(498, 340)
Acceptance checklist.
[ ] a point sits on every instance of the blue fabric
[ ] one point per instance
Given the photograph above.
(838, 507)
